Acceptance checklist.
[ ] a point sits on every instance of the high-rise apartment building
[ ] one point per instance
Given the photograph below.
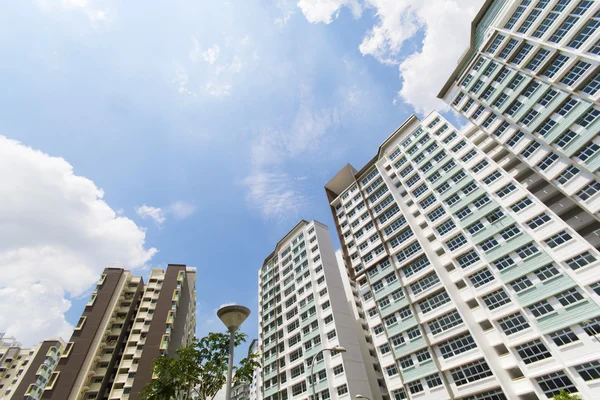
(530, 81)
(123, 328)
(473, 288)
(24, 372)
(303, 313)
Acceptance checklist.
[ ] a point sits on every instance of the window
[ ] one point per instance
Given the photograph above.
(489, 244)
(540, 308)
(533, 351)
(437, 213)
(538, 59)
(506, 190)
(478, 112)
(521, 204)
(406, 362)
(458, 98)
(566, 138)
(589, 191)
(487, 122)
(584, 33)
(457, 345)
(554, 383)
(521, 284)
(515, 138)
(531, 88)
(500, 100)
(433, 302)
(558, 239)
(492, 177)
(567, 106)
(501, 129)
(481, 278)
(513, 323)
(331, 334)
(468, 259)
(470, 372)
(80, 323)
(567, 174)
(516, 82)
(481, 165)
(593, 85)
(456, 242)
(588, 151)
(397, 340)
(589, 371)
(445, 322)
(555, 66)
(341, 390)
(523, 51)
(299, 388)
(546, 272)
(474, 228)
(591, 327)
(495, 44)
(589, 117)
(433, 380)
(530, 116)
(575, 73)
(446, 227)
(413, 333)
(569, 297)
(391, 370)
(563, 337)
(399, 394)
(496, 299)
(508, 48)
(581, 260)
(546, 126)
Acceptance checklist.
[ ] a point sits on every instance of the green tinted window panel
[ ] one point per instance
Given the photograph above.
(422, 370)
(568, 316)
(564, 123)
(486, 21)
(431, 156)
(492, 229)
(467, 200)
(312, 351)
(409, 347)
(321, 385)
(593, 163)
(310, 335)
(387, 290)
(585, 136)
(511, 245)
(461, 184)
(477, 215)
(394, 306)
(308, 321)
(271, 391)
(545, 289)
(401, 326)
(531, 264)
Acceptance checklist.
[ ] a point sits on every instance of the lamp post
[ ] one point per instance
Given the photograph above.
(333, 350)
(232, 317)
(360, 396)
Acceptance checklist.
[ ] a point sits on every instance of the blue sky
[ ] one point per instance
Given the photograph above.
(210, 128)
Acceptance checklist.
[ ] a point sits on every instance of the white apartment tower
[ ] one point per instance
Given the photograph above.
(473, 288)
(303, 314)
(531, 81)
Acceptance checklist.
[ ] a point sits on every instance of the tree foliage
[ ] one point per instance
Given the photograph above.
(200, 367)
(564, 395)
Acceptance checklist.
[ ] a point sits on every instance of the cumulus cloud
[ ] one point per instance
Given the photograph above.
(57, 234)
(211, 54)
(446, 25)
(153, 213)
(326, 10)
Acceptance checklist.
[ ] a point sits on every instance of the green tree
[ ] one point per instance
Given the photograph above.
(200, 367)
(564, 395)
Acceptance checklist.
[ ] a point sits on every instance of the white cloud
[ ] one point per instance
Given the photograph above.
(194, 53)
(275, 194)
(326, 10)
(154, 213)
(56, 236)
(446, 25)
(211, 54)
(182, 209)
(217, 89)
(286, 10)
(96, 11)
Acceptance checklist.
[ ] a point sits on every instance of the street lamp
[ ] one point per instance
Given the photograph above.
(334, 350)
(232, 317)
(360, 396)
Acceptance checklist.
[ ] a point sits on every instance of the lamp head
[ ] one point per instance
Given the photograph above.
(338, 349)
(233, 316)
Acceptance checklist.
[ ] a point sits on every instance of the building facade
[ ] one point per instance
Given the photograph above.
(122, 329)
(24, 372)
(473, 288)
(531, 81)
(304, 312)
